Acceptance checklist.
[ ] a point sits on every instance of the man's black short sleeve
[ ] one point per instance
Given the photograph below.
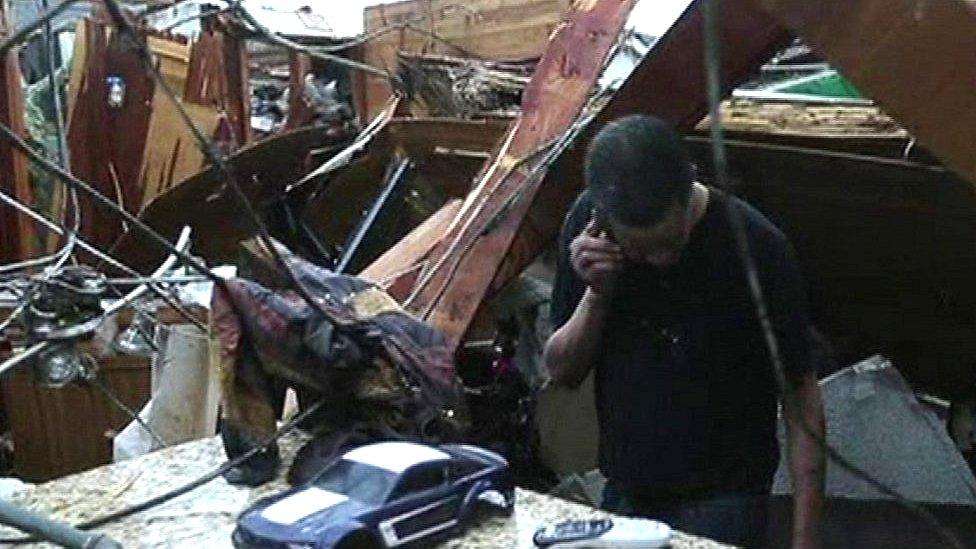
(786, 299)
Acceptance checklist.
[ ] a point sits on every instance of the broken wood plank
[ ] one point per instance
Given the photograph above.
(917, 59)
(17, 234)
(172, 154)
(205, 73)
(300, 112)
(173, 56)
(804, 120)
(464, 265)
(106, 142)
(413, 248)
(216, 217)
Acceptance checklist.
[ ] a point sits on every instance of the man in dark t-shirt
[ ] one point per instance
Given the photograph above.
(652, 296)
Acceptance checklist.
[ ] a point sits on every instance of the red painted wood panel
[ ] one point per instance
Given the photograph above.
(465, 264)
(106, 143)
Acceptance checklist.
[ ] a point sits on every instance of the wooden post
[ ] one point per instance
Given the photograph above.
(238, 91)
(17, 234)
(300, 112)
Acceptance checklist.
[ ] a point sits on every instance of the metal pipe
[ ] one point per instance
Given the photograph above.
(397, 176)
(28, 263)
(15, 360)
(51, 530)
(176, 279)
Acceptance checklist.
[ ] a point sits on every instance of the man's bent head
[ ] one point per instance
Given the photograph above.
(641, 181)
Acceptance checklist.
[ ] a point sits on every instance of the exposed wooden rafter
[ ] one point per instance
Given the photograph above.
(16, 232)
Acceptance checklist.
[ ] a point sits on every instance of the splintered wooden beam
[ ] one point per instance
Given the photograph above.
(300, 112)
(916, 58)
(485, 250)
(205, 81)
(238, 98)
(466, 261)
(16, 231)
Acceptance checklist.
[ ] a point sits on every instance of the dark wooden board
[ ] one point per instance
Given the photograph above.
(218, 220)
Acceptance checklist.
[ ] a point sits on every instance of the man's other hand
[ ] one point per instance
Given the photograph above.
(596, 259)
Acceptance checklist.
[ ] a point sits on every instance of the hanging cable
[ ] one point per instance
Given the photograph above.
(791, 407)
(133, 415)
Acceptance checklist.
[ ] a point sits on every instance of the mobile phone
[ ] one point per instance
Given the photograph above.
(603, 229)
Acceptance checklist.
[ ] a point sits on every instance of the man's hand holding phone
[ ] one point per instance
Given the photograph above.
(596, 258)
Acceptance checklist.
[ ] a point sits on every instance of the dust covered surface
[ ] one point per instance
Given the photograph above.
(206, 516)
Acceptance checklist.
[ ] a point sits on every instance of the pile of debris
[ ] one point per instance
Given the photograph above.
(377, 199)
(465, 88)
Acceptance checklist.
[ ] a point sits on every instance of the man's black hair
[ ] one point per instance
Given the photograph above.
(637, 170)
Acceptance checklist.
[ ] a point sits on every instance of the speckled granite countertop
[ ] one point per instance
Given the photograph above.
(205, 517)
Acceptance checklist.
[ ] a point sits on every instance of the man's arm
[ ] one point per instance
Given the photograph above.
(588, 263)
(570, 351)
(804, 415)
(802, 405)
